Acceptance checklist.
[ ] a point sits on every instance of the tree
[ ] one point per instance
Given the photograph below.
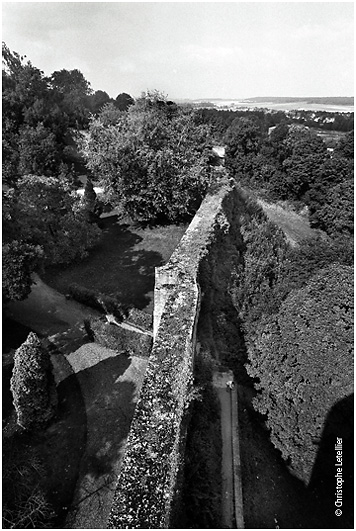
(34, 125)
(75, 91)
(98, 100)
(303, 360)
(150, 159)
(123, 101)
(331, 172)
(39, 152)
(90, 202)
(32, 384)
(345, 146)
(336, 215)
(46, 213)
(19, 260)
(254, 279)
(243, 137)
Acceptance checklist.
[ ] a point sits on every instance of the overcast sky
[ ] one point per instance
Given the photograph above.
(191, 50)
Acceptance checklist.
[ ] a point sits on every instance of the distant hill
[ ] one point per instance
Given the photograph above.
(330, 104)
(337, 100)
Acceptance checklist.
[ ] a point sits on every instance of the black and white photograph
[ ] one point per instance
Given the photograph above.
(177, 265)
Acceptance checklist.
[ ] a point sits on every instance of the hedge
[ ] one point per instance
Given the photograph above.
(303, 360)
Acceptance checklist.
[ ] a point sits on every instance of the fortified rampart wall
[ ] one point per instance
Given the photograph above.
(148, 486)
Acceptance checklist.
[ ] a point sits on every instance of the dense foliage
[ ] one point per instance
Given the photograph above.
(295, 305)
(43, 221)
(19, 260)
(97, 300)
(151, 159)
(32, 384)
(41, 114)
(43, 212)
(303, 359)
(34, 122)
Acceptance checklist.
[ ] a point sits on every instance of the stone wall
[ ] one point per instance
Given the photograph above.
(147, 488)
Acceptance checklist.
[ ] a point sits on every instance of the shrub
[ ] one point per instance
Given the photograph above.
(310, 256)
(32, 384)
(97, 300)
(121, 339)
(303, 359)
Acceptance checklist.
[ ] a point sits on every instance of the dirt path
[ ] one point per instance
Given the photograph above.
(232, 508)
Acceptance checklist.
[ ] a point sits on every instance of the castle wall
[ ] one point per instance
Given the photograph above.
(148, 485)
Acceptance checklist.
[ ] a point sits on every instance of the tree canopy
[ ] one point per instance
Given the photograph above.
(303, 360)
(32, 384)
(44, 212)
(151, 159)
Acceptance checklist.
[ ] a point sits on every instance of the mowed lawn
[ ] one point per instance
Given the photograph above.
(123, 263)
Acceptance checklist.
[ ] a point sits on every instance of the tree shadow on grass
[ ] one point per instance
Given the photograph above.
(114, 267)
(110, 407)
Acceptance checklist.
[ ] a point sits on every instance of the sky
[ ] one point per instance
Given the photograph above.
(191, 49)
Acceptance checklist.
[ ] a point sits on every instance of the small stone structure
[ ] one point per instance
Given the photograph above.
(147, 491)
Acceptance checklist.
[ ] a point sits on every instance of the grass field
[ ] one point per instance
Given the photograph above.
(295, 226)
(123, 263)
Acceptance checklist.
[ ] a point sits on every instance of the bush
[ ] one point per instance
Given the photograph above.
(32, 384)
(303, 359)
(121, 339)
(97, 300)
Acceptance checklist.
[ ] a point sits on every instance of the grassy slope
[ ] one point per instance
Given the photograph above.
(295, 226)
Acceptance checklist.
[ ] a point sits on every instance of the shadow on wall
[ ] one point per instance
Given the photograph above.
(333, 467)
